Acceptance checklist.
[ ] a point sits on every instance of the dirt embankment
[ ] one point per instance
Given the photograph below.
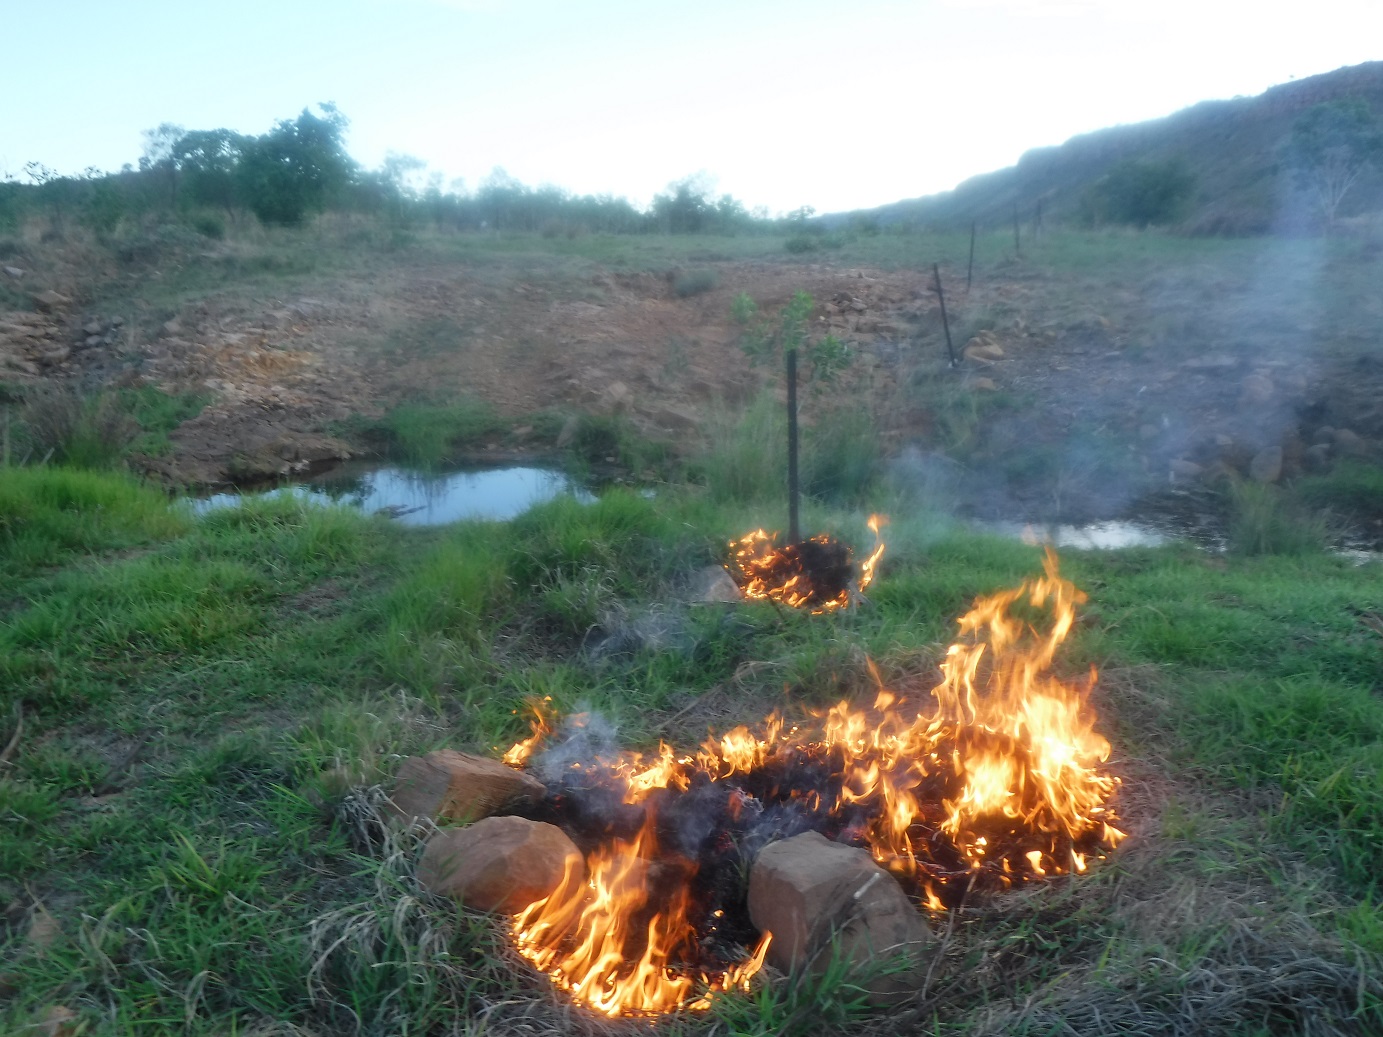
(1064, 389)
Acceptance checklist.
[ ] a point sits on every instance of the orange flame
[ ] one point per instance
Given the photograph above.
(591, 938)
(1000, 782)
(814, 574)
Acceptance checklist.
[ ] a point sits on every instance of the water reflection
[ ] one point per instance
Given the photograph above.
(424, 499)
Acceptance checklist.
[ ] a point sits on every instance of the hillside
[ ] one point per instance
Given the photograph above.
(1231, 147)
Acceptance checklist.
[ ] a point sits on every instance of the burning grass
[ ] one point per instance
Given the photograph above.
(1001, 782)
(817, 574)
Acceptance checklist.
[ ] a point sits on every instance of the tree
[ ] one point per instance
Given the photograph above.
(687, 207)
(1330, 147)
(1140, 193)
(296, 168)
(207, 161)
(157, 159)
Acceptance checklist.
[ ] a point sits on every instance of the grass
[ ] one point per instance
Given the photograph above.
(206, 703)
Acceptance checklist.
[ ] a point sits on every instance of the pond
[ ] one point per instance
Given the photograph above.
(422, 498)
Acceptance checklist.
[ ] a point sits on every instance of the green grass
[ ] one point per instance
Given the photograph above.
(204, 701)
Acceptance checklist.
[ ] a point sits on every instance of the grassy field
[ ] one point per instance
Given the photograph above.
(197, 709)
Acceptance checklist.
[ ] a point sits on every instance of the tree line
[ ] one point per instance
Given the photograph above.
(300, 168)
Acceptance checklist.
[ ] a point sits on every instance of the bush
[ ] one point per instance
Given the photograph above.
(800, 243)
(83, 431)
(1262, 522)
(209, 225)
(427, 434)
(1140, 194)
(694, 282)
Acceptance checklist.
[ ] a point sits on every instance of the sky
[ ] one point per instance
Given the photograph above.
(836, 105)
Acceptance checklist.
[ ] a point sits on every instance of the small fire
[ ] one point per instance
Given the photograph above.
(1000, 782)
(815, 574)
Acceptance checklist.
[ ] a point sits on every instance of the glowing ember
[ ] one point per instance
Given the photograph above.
(815, 574)
(1000, 782)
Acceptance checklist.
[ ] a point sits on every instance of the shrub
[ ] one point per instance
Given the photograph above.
(209, 225)
(1139, 193)
(1262, 522)
(694, 282)
(73, 429)
(800, 243)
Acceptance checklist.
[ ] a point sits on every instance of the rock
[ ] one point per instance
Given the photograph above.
(982, 385)
(43, 929)
(459, 787)
(674, 417)
(1349, 442)
(569, 430)
(55, 355)
(499, 864)
(807, 888)
(1181, 471)
(92, 327)
(92, 341)
(58, 1021)
(117, 322)
(47, 302)
(1316, 457)
(1266, 466)
(1257, 388)
(713, 583)
(14, 271)
(983, 348)
(614, 398)
(172, 327)
(1324, 434)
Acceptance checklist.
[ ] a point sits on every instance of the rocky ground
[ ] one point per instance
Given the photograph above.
(1075, 391)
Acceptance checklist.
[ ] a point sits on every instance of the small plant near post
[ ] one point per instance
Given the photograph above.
(765, 339)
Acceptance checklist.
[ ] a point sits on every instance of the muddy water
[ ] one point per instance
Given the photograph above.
(423, 499)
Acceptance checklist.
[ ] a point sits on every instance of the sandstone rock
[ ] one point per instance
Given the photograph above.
(1182, 471)
(1266, 466)
(1324, 434)
(49, 301)
(614, 398)
(984, 348)
(569, 430)
(499, 864)
(806, 889)
(1349, 442)
(459, 787)
(14, 271)
(714, 584)
(982, 385)
(117, 322)
(59, 1021)
(172, 327)
(92, 327)
(675, 417)
(56, 355)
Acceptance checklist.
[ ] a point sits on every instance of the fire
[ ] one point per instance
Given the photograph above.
(1000, 781)
(598, 939)
(817, 573)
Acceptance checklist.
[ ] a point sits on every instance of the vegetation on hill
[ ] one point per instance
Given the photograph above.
(1233, 163)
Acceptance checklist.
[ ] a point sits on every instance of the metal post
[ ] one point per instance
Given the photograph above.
(794, 525)
(950, 349)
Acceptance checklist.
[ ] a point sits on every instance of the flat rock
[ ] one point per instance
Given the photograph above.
(1182, 471)
(1348, 442)
(49, 301)
(447, 785)
(14, 271)
(712, 584)
(807, 890)
(499, 864)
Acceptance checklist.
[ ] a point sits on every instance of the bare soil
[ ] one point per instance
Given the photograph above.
(1077, 393)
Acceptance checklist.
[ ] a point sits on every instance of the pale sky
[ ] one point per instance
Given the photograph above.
(837, 105)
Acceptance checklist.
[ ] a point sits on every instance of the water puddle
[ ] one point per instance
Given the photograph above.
(1101, 536)
(421, 499)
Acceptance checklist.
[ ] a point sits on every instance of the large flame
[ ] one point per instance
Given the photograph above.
(600, 938)
(816, 574)
(999, 782)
